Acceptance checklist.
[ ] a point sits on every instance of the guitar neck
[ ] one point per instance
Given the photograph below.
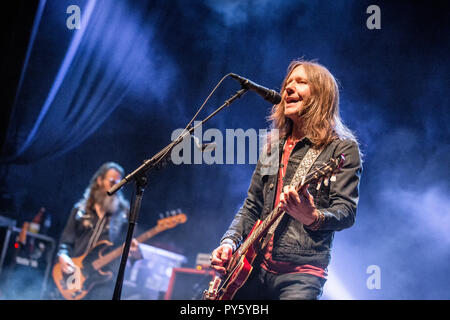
(262, 229)
(114, 254)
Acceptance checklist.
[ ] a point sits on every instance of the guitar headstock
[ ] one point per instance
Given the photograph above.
(326, 170)
(172, 219)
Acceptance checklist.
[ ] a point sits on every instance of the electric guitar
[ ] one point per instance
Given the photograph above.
(239, 267)
(89, 267)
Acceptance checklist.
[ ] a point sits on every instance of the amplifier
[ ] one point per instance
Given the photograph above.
(188, 284)
(25, 263)
(149, 277)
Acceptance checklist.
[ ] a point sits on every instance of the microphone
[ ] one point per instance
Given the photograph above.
(268, 94)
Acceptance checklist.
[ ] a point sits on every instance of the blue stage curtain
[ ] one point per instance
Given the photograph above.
(101, 62)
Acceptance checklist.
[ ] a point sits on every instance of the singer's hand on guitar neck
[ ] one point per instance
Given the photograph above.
(300, 205)
(220, 257)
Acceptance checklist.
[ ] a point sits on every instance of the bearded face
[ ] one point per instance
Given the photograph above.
(107, 203)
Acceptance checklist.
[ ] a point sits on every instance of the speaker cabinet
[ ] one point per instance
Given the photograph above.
(188, 284)
(24, 265)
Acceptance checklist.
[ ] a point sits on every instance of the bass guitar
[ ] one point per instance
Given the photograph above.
(90, 267)
(240, 266)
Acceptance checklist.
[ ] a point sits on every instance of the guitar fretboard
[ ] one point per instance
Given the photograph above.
(110, 256)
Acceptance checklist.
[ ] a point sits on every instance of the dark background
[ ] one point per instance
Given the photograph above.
(394, 95)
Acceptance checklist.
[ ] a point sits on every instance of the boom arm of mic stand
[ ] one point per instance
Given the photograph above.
(140, 178)
(149, 164)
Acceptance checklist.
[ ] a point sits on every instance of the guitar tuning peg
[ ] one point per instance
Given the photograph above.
(161, 216)
(173, 213)
(319, 183)
(178, 210)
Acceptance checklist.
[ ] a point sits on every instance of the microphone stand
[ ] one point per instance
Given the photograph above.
(139, 176)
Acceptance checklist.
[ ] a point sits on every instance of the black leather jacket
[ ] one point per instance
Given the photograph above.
(338, 201)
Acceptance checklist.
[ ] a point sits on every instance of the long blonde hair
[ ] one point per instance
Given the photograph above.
(321, 119)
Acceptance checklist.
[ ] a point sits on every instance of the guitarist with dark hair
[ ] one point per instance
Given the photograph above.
(279, 244)
(96, 218)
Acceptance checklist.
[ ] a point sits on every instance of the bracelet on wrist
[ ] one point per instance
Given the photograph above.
(318, 222)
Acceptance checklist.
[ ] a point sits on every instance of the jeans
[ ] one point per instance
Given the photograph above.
(264, 285)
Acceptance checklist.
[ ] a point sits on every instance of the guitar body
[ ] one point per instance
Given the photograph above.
(239, 272)
(75, 286)
(237, 279)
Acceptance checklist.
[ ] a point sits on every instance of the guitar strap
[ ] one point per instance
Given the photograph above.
(299, 176)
